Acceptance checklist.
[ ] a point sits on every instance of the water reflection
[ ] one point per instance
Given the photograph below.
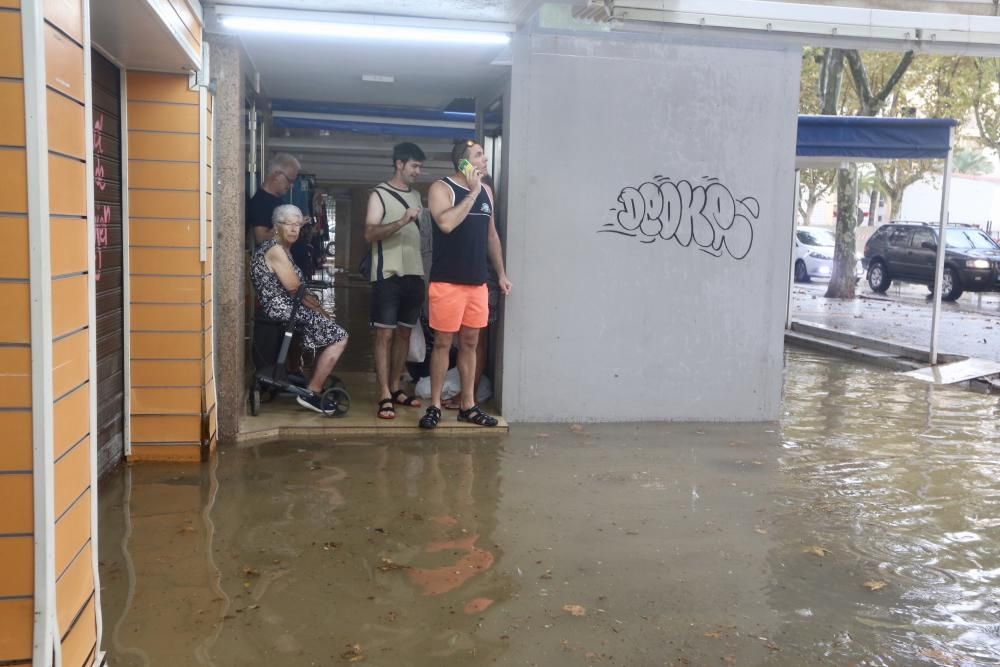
(645, 544)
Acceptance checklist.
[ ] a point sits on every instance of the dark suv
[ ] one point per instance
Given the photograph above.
(907, 252)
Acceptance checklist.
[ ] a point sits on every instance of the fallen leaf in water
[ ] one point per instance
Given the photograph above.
(762, 531)
(185, 529)
(815, 551)
(575, 609)
(875, 585)
(476, 605)
(391, 616)
(250, 571)
(576, 428)
(388, 566)
(714, 634)
(938, 655)
(772, 647)
(353, 654)
(254, 606)
(330, 546)
(729, 659)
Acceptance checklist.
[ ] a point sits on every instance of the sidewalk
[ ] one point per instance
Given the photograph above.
(903, 321)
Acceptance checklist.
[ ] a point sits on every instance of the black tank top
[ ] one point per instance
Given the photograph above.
(461, 257)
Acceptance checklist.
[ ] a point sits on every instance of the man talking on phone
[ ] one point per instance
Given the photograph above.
(465, 243)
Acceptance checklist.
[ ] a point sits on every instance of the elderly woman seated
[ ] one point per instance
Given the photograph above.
(276, 279)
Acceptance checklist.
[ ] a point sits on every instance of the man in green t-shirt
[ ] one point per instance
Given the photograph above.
(397, 273)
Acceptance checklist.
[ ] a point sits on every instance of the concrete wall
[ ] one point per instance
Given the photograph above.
(637, 297)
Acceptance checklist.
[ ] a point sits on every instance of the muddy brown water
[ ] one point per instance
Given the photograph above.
(651, 544)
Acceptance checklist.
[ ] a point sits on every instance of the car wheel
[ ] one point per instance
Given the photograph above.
(801, 273)
(951, 286)
(878, 277)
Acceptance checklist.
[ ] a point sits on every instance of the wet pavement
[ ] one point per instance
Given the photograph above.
(904, 316)
(862, 529)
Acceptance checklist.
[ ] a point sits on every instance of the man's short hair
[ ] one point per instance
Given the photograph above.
(282, 161)
(407, 151)
(460, 151)
(285, 213)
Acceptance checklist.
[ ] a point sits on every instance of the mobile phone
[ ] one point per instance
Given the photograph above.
(466, 167)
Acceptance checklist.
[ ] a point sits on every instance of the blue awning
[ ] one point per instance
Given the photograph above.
(862, 138)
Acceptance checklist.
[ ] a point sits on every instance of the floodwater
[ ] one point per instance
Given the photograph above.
(863, 529)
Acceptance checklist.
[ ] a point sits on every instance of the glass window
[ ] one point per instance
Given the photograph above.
(920, 236)
(899, 236)
(969, 239)
(817, 237)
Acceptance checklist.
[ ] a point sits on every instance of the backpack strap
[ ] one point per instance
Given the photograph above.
(402, 201)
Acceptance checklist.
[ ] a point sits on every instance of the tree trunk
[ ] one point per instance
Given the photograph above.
(896, 203)
(873, 208)
(808, 215)
(842, 280)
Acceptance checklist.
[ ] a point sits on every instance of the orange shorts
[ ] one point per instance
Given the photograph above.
(455, 306)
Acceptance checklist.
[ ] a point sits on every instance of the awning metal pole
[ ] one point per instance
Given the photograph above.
(942, 243)
(791, 251)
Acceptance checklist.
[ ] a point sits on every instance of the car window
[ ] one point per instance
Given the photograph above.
(899, 236)
(920, 236)
(816, 237)
(969, 239)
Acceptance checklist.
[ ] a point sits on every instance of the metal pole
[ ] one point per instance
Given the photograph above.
(942, 243)
(791, 251)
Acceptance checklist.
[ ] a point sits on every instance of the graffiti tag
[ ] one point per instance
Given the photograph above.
(103, 217)
(706, 215)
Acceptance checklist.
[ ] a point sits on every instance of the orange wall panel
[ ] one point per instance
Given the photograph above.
(163, 176)
(156, 87)
(18, 504)
(15, 377)
(69, 245)
(11, 63)
(156, 289)
(163, 116)
(69, 305)
(78, 645)
(165, 261)
(72, 476)
(72, 532)
(163, 204)
(166, 346)
(159, 317)
(16, 618)
(11, 113)
(70, 361)
(71, 417)
(15, 447)
(166, 401)
(172, 233)
(187, 453)
(14, 193)
(166, 428)
(15, 325)
(17, 574)
(63, 64)
(157, 146)
(174, 373)
(67, 15)
(73, 589)
(67, 186)
(66, 124)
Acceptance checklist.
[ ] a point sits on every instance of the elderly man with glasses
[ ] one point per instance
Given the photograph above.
(282, 170)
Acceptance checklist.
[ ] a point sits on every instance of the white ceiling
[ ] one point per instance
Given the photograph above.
(510, 11)
(330, 70)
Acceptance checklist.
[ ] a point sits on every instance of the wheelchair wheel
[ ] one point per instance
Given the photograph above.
(339, 398)
(254, 400)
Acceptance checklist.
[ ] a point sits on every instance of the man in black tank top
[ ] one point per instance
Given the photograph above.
(465, 242)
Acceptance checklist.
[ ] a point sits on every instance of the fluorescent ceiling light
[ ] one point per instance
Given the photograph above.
(392, 33)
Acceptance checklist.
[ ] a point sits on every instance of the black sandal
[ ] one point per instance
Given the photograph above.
(431, 417)
(385, 408)
(410, 402)
(476, 416)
